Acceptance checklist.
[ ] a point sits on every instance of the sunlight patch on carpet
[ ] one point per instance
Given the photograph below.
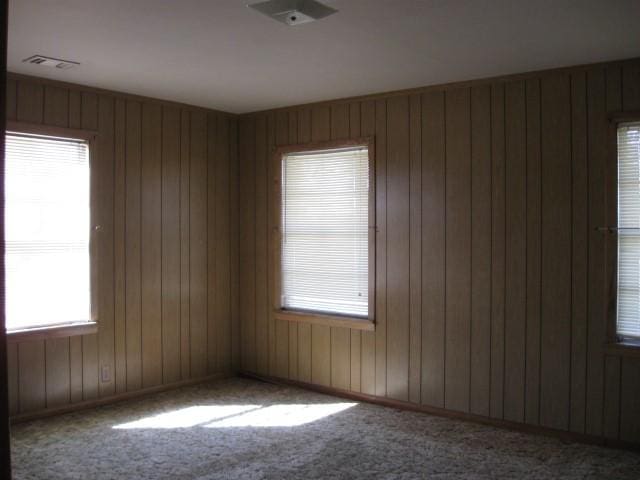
(226, 416)
(282, 415)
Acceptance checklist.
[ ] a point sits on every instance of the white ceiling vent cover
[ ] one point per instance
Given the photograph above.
(50, 62)
(293, 12)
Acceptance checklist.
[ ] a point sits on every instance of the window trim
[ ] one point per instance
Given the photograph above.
(67, 329)
(279, 313)
(615, 344)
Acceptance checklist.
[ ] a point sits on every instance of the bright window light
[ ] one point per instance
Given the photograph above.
(325, 231)
(47, 231)
(628, 319)
(225, 416)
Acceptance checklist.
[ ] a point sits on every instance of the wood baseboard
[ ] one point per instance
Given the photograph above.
(119, 397)
(565, 436)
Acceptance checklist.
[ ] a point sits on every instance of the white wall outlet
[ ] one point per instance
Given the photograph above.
(105, 374)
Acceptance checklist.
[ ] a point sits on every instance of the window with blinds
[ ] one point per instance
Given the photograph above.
(628, 314)
(325, 229)
(47, 231)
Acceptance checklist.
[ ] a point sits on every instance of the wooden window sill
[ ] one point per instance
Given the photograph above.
(626, 348)
(54, 331)
(328, 320)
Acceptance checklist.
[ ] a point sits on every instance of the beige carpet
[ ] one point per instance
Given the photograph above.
(250, 430)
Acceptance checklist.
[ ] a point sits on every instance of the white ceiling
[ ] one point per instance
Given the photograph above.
(223, 55)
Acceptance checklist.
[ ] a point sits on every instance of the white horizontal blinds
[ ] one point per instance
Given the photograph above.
(325, 199)
(47, 231)
(628, 319)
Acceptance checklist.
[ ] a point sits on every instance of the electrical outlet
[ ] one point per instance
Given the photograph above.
(105, 374)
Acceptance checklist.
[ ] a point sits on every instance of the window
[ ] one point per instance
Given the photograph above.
(47, 231)
(324, 243)
(628, 312)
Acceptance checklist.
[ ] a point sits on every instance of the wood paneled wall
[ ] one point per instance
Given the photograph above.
(164, 187)
(491, 290)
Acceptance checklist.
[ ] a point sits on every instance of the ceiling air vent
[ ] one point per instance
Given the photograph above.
(50, 62)
(293, 12)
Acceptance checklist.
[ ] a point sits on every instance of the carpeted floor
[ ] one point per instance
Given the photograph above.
(245, 429)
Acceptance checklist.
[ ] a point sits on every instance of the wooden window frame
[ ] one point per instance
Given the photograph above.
(68, 329)
(615, 344)
(356, 323)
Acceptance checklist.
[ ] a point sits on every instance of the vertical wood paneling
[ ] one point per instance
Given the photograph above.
(31, 376)
(234, 240)
(58, 386)
(498, 201)
(536, 275)
(56, 106)
(30, 102)
(119, 242)
(611, 415)
(515, 251)
(458, 249)
(133, 246)
(281, 326)
(532, 382)
(433, 248)
(212, 286)
(398, 233)
(629, 400)
(151, 236)
(510, 271)
(170, 243)
(198, 244)
(140, 197)
(222, 289)
(415, 248)
(90, 352)
(271, 224)
(596, 146)
(556, 252)
(580, 239)
(480, 250)
(75, 370)
(247, 243)
(185, 243)
(261, 274)
(105, 147)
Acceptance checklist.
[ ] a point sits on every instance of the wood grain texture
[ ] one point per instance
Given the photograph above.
(170, 241)
(498, 262)
(140, 197)
(480, 348)
(534, 191)
(515, 237)
(556, 252)
(487, 198)
(398, 248)
(458, 249)
(433, 248)
(580, 246)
